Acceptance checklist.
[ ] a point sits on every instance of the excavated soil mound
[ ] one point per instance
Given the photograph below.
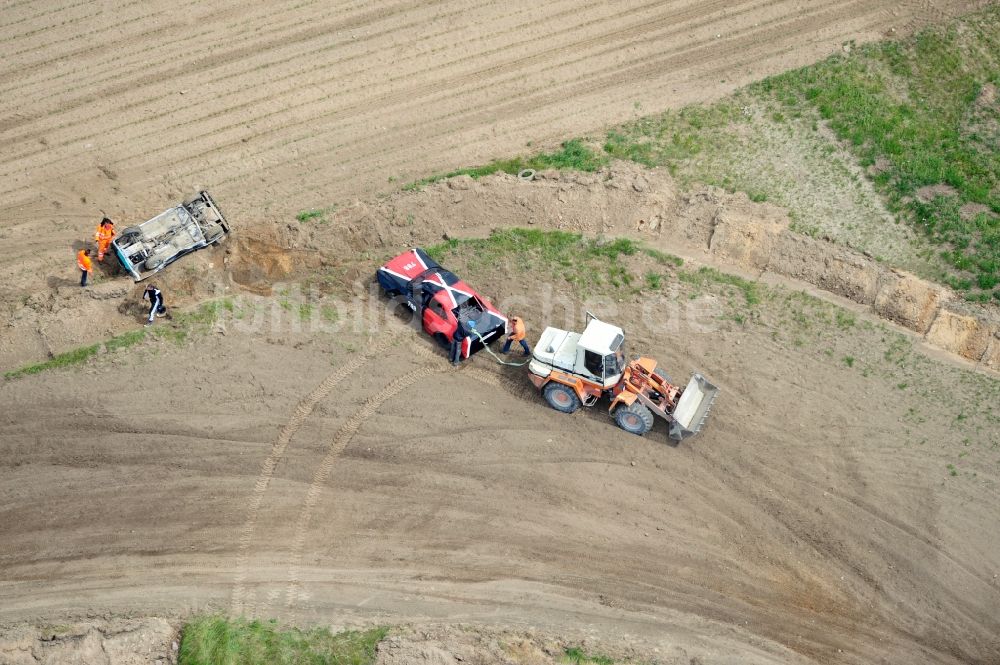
(710, 225)
(718, 227)
(148, 641)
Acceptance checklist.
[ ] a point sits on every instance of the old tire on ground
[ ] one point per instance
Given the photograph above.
(634, 418)
(561, 397)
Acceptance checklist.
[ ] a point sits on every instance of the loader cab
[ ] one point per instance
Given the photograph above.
(600, 353)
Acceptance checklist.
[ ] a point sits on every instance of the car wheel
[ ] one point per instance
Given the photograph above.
(634, 418)
(561, 397)
(442, 340)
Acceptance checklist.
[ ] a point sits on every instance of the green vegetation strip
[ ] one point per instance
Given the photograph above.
(578, 656)
(919, 116)
(215, 640)
(573, 155)
(923, 116)
(317, 215)
(177, 331)
(589, 263)
(74, 357)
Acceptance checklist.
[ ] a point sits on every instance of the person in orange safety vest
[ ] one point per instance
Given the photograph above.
(104, 235)
(517, 334)
(84, 264)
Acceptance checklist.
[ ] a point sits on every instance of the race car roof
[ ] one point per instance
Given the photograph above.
(410, 264)
(414, 267)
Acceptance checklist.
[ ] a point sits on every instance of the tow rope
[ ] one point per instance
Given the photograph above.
(495, 356)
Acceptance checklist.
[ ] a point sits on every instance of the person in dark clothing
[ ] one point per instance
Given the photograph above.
(156, 306)
(457, 340)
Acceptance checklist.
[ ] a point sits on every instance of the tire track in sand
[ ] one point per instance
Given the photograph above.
(302, 411)
(519, 389)
(336, 447)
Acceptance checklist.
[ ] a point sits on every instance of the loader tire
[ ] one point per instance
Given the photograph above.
(634, 418)
(561, 397)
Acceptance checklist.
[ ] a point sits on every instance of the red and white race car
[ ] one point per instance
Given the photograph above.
(442, 300)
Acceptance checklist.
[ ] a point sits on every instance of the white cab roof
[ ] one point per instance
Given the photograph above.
(599, 337)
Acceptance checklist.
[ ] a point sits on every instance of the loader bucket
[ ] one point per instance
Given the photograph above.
(692, 409)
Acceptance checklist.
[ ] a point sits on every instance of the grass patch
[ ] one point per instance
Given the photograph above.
(674, 137)
(706, 275)
(214, 640)
(329, 314)
(844, 319)
(80, 355)
(315, 215)
(917, 115)
(590, 266)
(181, 325)
(125, 340)
(573, 155)
(205, 314)
(308, 215)
(67, 359)
(578, 656)
(663, 257)
(588, 262)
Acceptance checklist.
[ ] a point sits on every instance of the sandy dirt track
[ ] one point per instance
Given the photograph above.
(326, 475)
(339, 478)
(328, 478)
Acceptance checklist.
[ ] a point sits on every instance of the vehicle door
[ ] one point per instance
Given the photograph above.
(593, 365)
(438, 319)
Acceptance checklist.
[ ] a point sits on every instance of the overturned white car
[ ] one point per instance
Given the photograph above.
(153, 245)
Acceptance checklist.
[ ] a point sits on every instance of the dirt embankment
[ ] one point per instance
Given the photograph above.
(146, 641)
(760, 241)
(122, 108)
(707, 224)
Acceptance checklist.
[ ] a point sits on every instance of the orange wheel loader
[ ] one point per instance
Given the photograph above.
(578, 369)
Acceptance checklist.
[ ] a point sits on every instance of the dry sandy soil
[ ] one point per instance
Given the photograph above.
(327, 474)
